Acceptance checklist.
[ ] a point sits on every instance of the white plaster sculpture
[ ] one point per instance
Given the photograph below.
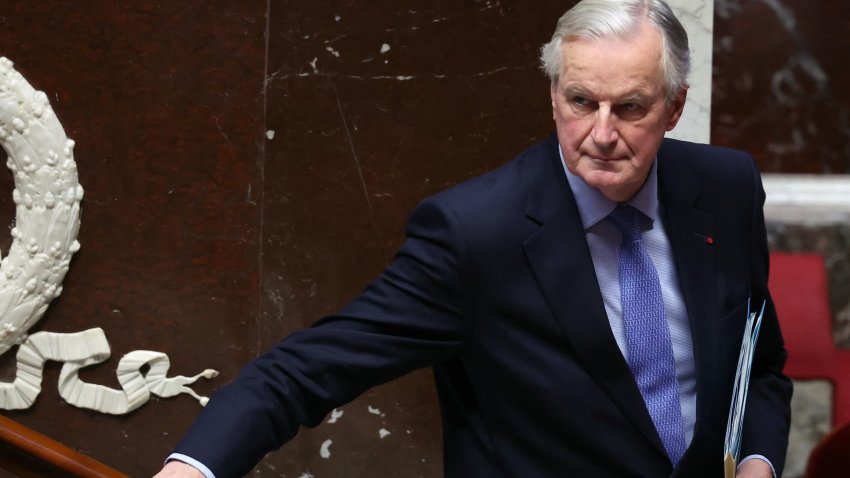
(47, 197)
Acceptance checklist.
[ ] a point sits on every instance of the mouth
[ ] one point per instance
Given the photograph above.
(605, 159)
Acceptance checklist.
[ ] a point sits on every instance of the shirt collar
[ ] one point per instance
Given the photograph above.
(593, 206)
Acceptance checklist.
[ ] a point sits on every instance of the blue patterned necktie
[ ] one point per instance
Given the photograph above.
(647, 336)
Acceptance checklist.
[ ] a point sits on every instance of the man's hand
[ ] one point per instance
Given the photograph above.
(755, 468)
(178, 469)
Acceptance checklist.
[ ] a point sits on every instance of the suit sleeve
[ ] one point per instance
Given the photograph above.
(413, 315)
(768, 415)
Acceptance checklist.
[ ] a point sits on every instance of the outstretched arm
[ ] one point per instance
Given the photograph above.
(412, 316)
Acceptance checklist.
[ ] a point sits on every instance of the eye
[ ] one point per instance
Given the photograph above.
(581, 100)
(630, 110)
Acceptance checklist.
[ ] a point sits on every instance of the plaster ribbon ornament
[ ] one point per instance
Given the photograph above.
(47, 199)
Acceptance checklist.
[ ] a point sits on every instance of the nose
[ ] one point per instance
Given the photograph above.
(604, 132)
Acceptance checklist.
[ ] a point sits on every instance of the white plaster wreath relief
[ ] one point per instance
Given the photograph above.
(47, 199)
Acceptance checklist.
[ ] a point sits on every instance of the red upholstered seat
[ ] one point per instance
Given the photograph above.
(799, 289)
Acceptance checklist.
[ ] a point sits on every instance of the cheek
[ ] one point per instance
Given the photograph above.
(571, 132)
(640, 141)
(643, 149)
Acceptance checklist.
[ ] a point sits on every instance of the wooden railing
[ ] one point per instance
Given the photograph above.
(26, 453)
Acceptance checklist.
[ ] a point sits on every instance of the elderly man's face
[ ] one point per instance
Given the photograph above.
(610, 110)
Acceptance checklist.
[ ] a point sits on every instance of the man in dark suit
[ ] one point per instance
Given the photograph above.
(582, 305)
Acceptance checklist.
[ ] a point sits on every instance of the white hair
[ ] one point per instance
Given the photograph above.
(596, 19)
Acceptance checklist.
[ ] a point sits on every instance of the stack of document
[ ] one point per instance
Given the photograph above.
(735, 422)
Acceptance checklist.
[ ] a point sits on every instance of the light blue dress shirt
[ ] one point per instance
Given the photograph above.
(604, 240)
(191, 461)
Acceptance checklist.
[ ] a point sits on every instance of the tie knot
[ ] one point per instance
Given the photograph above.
(627, 220)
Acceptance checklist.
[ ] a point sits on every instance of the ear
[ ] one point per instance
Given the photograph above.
(676, 108)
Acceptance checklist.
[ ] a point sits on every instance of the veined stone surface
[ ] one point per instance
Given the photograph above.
(811, 412)
(807, 199)
(698, 20)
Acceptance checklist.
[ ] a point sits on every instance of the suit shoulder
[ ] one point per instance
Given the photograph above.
(504, 186)
(724, 177)
(493, 205)
(707, 162)
(700, 151)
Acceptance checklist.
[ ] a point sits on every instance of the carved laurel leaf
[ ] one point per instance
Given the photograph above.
(47, 199)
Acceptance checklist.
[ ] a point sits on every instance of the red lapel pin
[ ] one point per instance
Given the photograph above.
(708, 239)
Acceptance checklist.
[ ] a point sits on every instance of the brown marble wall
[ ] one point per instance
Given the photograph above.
(165, 101)
(248, 167)
(372, 110)
(780, 83)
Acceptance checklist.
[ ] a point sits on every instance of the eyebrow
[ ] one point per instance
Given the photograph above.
(633, 97)
(576, 90)
(630, 97)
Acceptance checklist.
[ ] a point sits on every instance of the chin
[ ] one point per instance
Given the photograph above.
(615, 188)
(600, 178)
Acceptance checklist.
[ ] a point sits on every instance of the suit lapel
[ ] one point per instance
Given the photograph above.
(559, 256)
(691, 233)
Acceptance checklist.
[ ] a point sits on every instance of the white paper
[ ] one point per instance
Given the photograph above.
(735, 421)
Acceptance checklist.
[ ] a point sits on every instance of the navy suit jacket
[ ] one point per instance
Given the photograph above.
(495, 288)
